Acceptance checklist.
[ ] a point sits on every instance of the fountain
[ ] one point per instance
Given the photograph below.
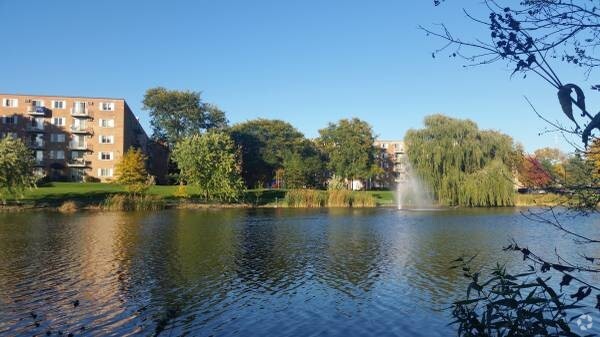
(412, 193)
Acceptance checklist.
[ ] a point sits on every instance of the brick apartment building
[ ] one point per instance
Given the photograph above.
(75, 138)
(391, 157)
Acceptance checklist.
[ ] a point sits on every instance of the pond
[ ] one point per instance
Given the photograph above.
(236, 272)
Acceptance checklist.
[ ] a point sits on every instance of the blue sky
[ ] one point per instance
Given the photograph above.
(309, 62)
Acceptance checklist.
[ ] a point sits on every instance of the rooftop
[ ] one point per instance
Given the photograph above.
(61, 96)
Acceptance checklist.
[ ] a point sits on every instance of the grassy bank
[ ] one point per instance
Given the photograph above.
(99, 195)
(531, 200)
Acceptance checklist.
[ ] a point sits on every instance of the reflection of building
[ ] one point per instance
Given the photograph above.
(391, 157)
(73, 137)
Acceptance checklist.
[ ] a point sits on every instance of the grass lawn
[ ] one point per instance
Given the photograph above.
(89, 193)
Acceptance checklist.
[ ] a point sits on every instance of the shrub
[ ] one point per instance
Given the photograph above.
(68, 207)
(305, 198)
(132, 202)
(339, 198)
(363, 199)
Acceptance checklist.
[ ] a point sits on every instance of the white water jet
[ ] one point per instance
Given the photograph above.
(412, 193)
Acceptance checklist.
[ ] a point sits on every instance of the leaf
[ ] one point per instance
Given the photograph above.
(582, 293)
(566, 101)
(566, 280)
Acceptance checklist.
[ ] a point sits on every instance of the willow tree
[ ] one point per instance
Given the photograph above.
(461, 164)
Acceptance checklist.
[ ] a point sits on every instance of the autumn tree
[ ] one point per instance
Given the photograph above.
(177, 114)
(348, 145)
(16, 168)
(131, 171)
(532, 174)
(210, 162)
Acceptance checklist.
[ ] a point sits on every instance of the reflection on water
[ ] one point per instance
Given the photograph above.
(248, 272)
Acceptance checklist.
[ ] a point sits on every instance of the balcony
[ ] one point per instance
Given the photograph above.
(81, 113)
(37, 110)
(79, 162)
(36, 144)
(34, 128)
(81, 130)
(80, 147)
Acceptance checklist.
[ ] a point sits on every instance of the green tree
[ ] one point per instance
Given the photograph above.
(451, 154)
(349, 148)
(210, 162)
(177, 114)
(579, 172)
(16, 168)
(131, 171)
(304, 168)
(264, 145)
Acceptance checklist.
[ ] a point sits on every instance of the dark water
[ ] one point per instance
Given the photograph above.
(250, 272)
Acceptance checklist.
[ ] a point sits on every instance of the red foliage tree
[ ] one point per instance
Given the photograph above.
(532, 173)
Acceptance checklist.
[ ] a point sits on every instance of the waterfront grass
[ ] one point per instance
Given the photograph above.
(545, 199)
(305, 198)
(132, 202)
(54, 194)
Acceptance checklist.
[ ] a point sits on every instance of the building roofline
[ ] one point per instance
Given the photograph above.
(62, 96)
(390, 140)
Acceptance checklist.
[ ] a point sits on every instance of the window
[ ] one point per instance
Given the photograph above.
(57, 138)
(105, 156)
(12, 135)
(57, 154)
(39, 156)
(12, 120)
(75, 155)
(59, 104)
(58, 121)
(107, 106)
(37, 103)
(107, 139)
(105, 172)
(79, 108)
(107, 123)
(10, 102)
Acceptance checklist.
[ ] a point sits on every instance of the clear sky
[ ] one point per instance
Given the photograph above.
(306, 62)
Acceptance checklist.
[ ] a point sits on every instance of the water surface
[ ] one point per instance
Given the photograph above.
(336, 272)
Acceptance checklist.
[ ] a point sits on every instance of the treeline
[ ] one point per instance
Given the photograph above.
(466, 166)
(223, 159)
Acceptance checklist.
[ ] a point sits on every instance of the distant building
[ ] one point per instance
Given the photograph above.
(391, 157)
(74, 137)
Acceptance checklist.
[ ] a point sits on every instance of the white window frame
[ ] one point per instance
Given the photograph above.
(62, 119)
(6, 104)
(110, 123)
(111, 139)
(110, 156)
(63, 103)
(109, 172)
(110, 106)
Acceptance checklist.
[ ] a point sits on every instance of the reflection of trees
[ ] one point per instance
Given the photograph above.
(272, 253)
(183, 262)
(354, 253)
(425, 250)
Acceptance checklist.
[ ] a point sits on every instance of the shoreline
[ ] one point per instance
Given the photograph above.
(218, 206)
